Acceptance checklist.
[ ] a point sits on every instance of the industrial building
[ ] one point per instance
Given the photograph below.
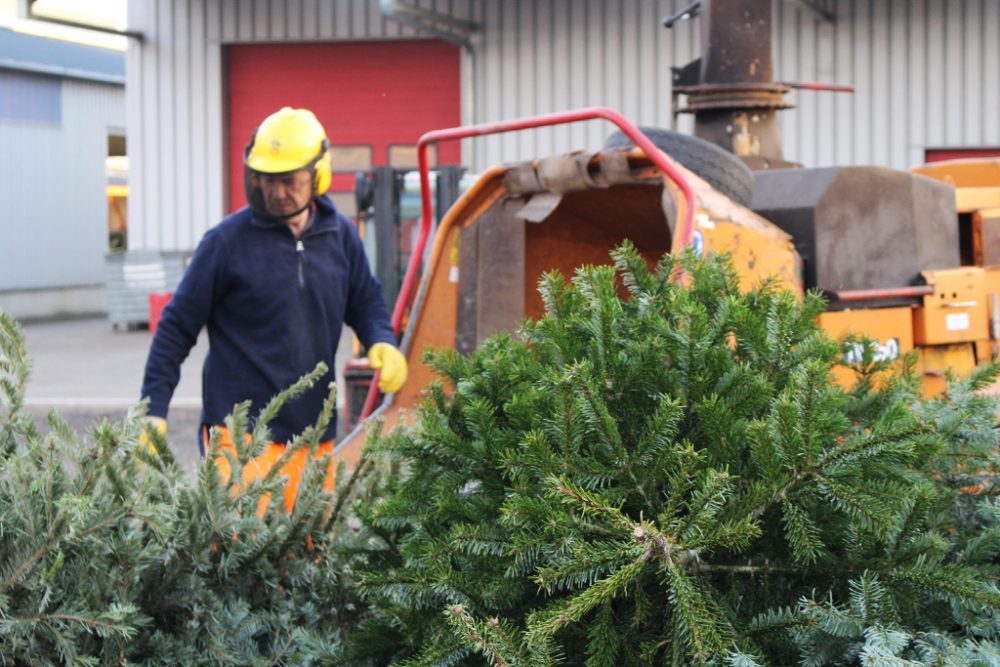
(379, 73)
(62, 116)
(202, 73)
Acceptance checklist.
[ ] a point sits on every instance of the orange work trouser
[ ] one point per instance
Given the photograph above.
(259, 466)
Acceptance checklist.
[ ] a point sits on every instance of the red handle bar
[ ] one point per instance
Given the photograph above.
(882, 293)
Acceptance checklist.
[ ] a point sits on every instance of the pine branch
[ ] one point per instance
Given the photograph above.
(707, 635)
(852, 449)
(270, 411)
(498, 653)
(752, 570)
(602, 640)
(542, 625)
(55, 534)
(642, 463)
(801, 533)
(950, 582)
(589, 502)
(100, 626)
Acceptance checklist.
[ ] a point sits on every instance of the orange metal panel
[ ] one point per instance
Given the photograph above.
(936, 359)
(757, 254)
(577, 232)
(435, 311)
(758, 247)
(976, 181)
(964, 173)
(973, 199)
(957, 310)
(892, 328)
(986, 349)
(991, 279)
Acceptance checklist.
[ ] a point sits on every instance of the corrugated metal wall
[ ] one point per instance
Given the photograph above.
(551, 55)
(54, 225)
(927, 73)
(175, 98)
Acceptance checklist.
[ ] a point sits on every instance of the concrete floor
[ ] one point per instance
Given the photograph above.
(87, 371)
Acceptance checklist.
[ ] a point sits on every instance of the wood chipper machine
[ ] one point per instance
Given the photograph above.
(901, 259)
(518, 222)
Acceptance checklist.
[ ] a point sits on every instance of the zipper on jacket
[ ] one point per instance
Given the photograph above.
(300, 250)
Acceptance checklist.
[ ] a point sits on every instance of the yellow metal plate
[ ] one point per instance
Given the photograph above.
(935, 360)
(891, 328)
(957, 310)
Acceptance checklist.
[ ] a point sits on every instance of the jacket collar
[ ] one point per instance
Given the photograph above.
(325, 218)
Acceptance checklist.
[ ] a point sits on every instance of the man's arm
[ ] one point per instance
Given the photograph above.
(181, 322)
(368, 316)
(367, 313)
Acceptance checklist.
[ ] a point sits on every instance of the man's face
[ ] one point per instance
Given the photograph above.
(286, 193)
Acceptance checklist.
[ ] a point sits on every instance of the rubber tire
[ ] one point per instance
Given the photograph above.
(721, 169)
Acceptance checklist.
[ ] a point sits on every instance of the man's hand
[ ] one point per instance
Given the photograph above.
(392, 363)
(158, 424)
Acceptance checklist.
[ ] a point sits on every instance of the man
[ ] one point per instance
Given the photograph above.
(274, 283)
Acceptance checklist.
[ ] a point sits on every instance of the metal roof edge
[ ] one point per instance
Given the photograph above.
(64, 72)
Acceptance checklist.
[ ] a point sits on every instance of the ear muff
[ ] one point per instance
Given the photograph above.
(249, 146)
(322, 170)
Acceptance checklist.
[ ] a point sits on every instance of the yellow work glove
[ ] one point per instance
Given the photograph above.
(392, 363)
(158, 424)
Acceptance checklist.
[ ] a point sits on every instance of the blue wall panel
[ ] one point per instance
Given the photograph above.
(30, 97)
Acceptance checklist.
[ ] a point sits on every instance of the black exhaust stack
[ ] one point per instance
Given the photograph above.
(731, 89)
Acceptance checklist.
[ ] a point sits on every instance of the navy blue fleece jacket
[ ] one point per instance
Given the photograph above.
(274, 307)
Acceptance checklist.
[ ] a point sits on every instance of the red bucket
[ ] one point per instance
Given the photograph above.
(157, 302)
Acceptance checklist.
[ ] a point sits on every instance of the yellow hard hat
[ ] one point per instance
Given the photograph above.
(287, 140)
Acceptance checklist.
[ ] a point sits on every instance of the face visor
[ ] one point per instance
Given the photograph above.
(255, 195)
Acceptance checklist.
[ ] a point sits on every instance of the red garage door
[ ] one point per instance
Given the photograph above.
(940, 154)
(375, 99)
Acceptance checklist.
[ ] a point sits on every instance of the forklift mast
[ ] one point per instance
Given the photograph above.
(388, 205)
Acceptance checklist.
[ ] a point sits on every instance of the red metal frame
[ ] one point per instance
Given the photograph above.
(820, 86)
(883, 293)
(453, 133)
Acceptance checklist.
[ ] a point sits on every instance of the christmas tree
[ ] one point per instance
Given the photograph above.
(109, 555)
(662, 471)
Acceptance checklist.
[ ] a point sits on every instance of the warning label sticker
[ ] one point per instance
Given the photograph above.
(956, 321)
